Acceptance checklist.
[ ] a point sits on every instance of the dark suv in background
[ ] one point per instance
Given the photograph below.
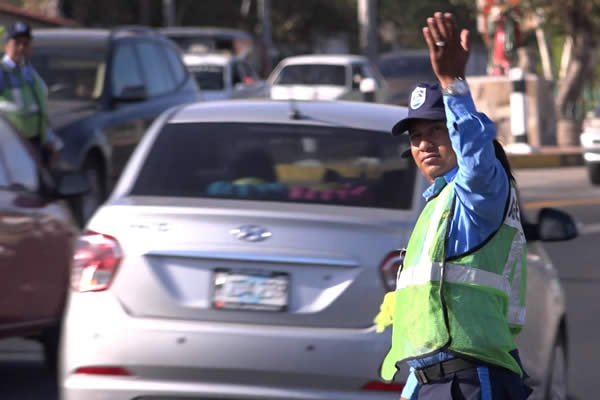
(104, 89)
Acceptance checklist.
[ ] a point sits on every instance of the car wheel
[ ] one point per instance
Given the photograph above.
(556, 384)
(85, 205)
(594, 173)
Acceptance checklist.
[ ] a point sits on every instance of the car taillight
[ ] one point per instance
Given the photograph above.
(95, 262)
(112, 371)
(383, 386)
(389, 268)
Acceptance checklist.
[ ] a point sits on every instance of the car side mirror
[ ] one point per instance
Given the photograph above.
(131, 94)
(368, 85)
(555, 225)
(72, 184)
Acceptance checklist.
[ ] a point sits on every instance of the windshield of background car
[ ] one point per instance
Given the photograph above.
(282, 163)
(408, 66)
(71, 73)
(209, 77)
(312, 74)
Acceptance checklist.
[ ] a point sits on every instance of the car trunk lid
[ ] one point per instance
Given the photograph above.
(324, 262)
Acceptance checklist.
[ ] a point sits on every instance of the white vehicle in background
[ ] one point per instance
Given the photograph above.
(590, 141)
(327, 77)
(223, 77)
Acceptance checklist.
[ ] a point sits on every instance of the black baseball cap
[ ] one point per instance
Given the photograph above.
(17, 29)
(426, 102)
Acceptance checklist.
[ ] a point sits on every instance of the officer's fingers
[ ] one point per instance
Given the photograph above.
(464, 40)
(433, 29)
(450, 24)
(429, 39)
(439, 22)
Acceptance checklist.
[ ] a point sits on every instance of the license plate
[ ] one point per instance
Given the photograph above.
(250, 290)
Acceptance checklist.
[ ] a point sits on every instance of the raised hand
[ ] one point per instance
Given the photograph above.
(448, 49)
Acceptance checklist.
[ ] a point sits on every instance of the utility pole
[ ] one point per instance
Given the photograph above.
(169, 12)
(367, 22)
(264, 10)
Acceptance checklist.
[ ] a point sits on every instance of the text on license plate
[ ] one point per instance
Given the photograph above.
(250, 290)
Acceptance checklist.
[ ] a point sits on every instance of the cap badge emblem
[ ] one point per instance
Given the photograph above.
(417, 99)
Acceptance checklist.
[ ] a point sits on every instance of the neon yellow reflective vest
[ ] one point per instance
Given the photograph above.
(24, 101)
(472, 305)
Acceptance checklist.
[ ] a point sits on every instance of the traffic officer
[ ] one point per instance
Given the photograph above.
(460, 294)
(23, 93)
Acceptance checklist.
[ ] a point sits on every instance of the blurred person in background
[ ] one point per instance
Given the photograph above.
(23, 93)
(460, 293)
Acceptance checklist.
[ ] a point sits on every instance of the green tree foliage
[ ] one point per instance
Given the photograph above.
(410, 16)
(16, 3)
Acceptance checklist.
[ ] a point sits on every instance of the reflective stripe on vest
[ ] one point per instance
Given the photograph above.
(455, 273)
(516, 315)
(9, 106)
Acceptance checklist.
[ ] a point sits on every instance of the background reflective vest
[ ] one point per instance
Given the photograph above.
(23, 100)
(472, 305)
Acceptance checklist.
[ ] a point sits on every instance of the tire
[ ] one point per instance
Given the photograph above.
(84, 206)
(556, 381)
(594, 173)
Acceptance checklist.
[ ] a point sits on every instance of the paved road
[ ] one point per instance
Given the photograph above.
(22, 376)
(577, 262)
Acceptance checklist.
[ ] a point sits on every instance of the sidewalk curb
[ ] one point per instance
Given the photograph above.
(546, 160)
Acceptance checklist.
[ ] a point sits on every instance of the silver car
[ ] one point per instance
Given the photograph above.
(245, 252)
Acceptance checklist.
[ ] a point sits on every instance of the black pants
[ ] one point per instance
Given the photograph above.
(43, 153)
(481, 383)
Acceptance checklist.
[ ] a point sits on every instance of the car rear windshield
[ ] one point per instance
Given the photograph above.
(312, 74)
(71, 73)
(282, 163)
(209, 77)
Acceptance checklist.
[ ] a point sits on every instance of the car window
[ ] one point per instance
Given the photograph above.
(237, 74)
(409, 66)
(176, 64)
(312, 74)
(209, 77)
(71, 73)
(157, 75)
(20, 165)
(125, 70)
(284, 163)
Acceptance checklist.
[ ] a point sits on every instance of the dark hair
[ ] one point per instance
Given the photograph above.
(503, 158)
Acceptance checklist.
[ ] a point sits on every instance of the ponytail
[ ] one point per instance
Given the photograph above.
(503, 158)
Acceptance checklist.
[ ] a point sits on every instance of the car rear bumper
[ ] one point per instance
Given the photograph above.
(208, 360)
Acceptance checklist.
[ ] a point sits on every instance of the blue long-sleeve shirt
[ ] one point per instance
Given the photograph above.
(481, 187)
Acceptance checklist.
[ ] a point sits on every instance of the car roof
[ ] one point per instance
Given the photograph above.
(88, 37)
(199, 59)
(323, 59)
(192, 31)
(353, 114)
(71, 37)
